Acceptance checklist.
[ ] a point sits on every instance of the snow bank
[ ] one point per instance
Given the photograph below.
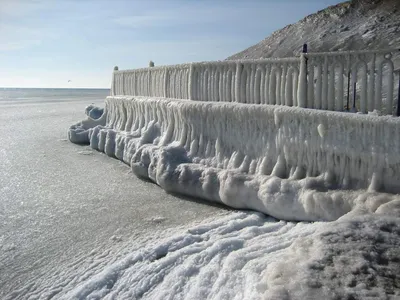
(287, 162)
(244, 256)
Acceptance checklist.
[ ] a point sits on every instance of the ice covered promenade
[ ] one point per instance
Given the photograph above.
(288, 162)
(251, 140)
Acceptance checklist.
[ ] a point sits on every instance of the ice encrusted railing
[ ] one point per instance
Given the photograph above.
(288, 162)
(266, 81)
(166, 81)
(358, 80)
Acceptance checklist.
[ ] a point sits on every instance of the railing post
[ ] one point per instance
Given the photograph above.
(354, 108)
(150, 91)
(303, 85)
(237, 81)
(371, 84)
(398, 97)
(112, 92)
(123, 83)
(348, 82)
(190, 82)
(149, 83)
(166, 83)
(305, 48)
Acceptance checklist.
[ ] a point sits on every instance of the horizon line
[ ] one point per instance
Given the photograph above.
(65, 88)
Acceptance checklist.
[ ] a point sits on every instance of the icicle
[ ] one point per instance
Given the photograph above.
(364, 87)
(378, 90)
(310, 88)
(318, 97)
(325, 84)
(243, 85)
(273, 84)
(331, 88)
(340, 89)
(302, 89)
(257, 87)
(371, 84)
(238, 83)
(390, 81)
(282, 85)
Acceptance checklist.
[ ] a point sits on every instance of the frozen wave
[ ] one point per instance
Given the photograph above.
(246, 256)
(287, 162)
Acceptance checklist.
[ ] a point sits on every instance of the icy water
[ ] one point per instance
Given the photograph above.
(61, 203)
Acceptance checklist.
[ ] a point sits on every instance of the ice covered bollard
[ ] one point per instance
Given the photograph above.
(79, 132)
(94, 112)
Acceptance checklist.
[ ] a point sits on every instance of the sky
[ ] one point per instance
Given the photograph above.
(46, 43)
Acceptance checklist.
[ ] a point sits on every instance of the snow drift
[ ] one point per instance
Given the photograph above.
(288, 162)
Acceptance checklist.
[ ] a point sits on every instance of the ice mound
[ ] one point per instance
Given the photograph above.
(246, 256)
(79, 133)
(287, 162)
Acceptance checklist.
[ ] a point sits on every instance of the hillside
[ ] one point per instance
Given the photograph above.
(351, 25)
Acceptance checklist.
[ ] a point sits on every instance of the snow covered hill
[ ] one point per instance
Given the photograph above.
(351, 25)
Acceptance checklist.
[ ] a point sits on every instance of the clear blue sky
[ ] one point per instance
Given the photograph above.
(46, 43)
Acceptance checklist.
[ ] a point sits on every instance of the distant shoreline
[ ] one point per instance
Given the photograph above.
(40, 88)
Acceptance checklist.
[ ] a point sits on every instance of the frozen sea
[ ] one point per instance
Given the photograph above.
(59, 201)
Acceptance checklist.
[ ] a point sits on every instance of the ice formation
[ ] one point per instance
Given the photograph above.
(79, 133)
(94, 112)
(313, 80)
(241, 256)
(273, 159)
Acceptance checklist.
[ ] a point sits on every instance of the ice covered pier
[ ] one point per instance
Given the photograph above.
(278, 158)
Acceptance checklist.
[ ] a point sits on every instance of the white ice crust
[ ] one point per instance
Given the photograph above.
(241, 256)
(288, 162)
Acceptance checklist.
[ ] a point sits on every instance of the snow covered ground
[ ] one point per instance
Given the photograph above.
(241, 255)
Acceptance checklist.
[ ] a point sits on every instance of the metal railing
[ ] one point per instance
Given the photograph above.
(349, 80)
